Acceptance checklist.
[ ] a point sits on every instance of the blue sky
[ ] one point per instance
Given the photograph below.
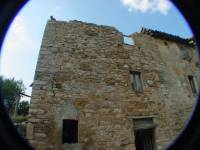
(22, 43)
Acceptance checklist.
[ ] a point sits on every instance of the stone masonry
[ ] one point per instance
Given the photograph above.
(84, 73)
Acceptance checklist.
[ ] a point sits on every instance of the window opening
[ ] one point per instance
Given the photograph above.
(192, 84)
(128, 40)
(144, 131)
(185, 55)
(70, 131)
(144, 139)
(136, 81)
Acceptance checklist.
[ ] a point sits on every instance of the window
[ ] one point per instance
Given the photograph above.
(144, 134)
(136, 81)
(128, 40)
(144, 139)
(185, 55)
(70, 131)
(192, 84)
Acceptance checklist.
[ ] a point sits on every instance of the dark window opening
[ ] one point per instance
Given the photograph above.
(70, 131)
(192, 84)
(144, 139)
(136, 81)
(165, 43)
(185, 55)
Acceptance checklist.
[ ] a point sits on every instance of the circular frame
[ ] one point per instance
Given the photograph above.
(188, 139)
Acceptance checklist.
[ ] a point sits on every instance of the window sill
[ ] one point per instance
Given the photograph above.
(137, 91)
(74, 146)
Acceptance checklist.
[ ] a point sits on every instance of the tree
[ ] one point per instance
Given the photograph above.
(23, 108)
(10, 92)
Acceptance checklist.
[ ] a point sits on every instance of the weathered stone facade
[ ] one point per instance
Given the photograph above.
(83, 73)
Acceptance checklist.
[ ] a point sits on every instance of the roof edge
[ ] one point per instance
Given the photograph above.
(167, 36)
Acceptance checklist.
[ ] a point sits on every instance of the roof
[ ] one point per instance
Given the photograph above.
(167, 36)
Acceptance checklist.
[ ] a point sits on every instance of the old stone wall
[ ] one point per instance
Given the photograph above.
(83, 73)
(174, 88)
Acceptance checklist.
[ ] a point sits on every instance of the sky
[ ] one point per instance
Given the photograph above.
(21, 46)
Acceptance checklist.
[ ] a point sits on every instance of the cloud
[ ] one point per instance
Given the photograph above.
(20, 35)
(144, 6)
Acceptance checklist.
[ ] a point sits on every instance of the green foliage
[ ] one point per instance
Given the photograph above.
(23, 108)
(19, 118)
(10, 91)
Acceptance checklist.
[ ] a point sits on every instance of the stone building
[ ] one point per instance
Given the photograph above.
(92, 91)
